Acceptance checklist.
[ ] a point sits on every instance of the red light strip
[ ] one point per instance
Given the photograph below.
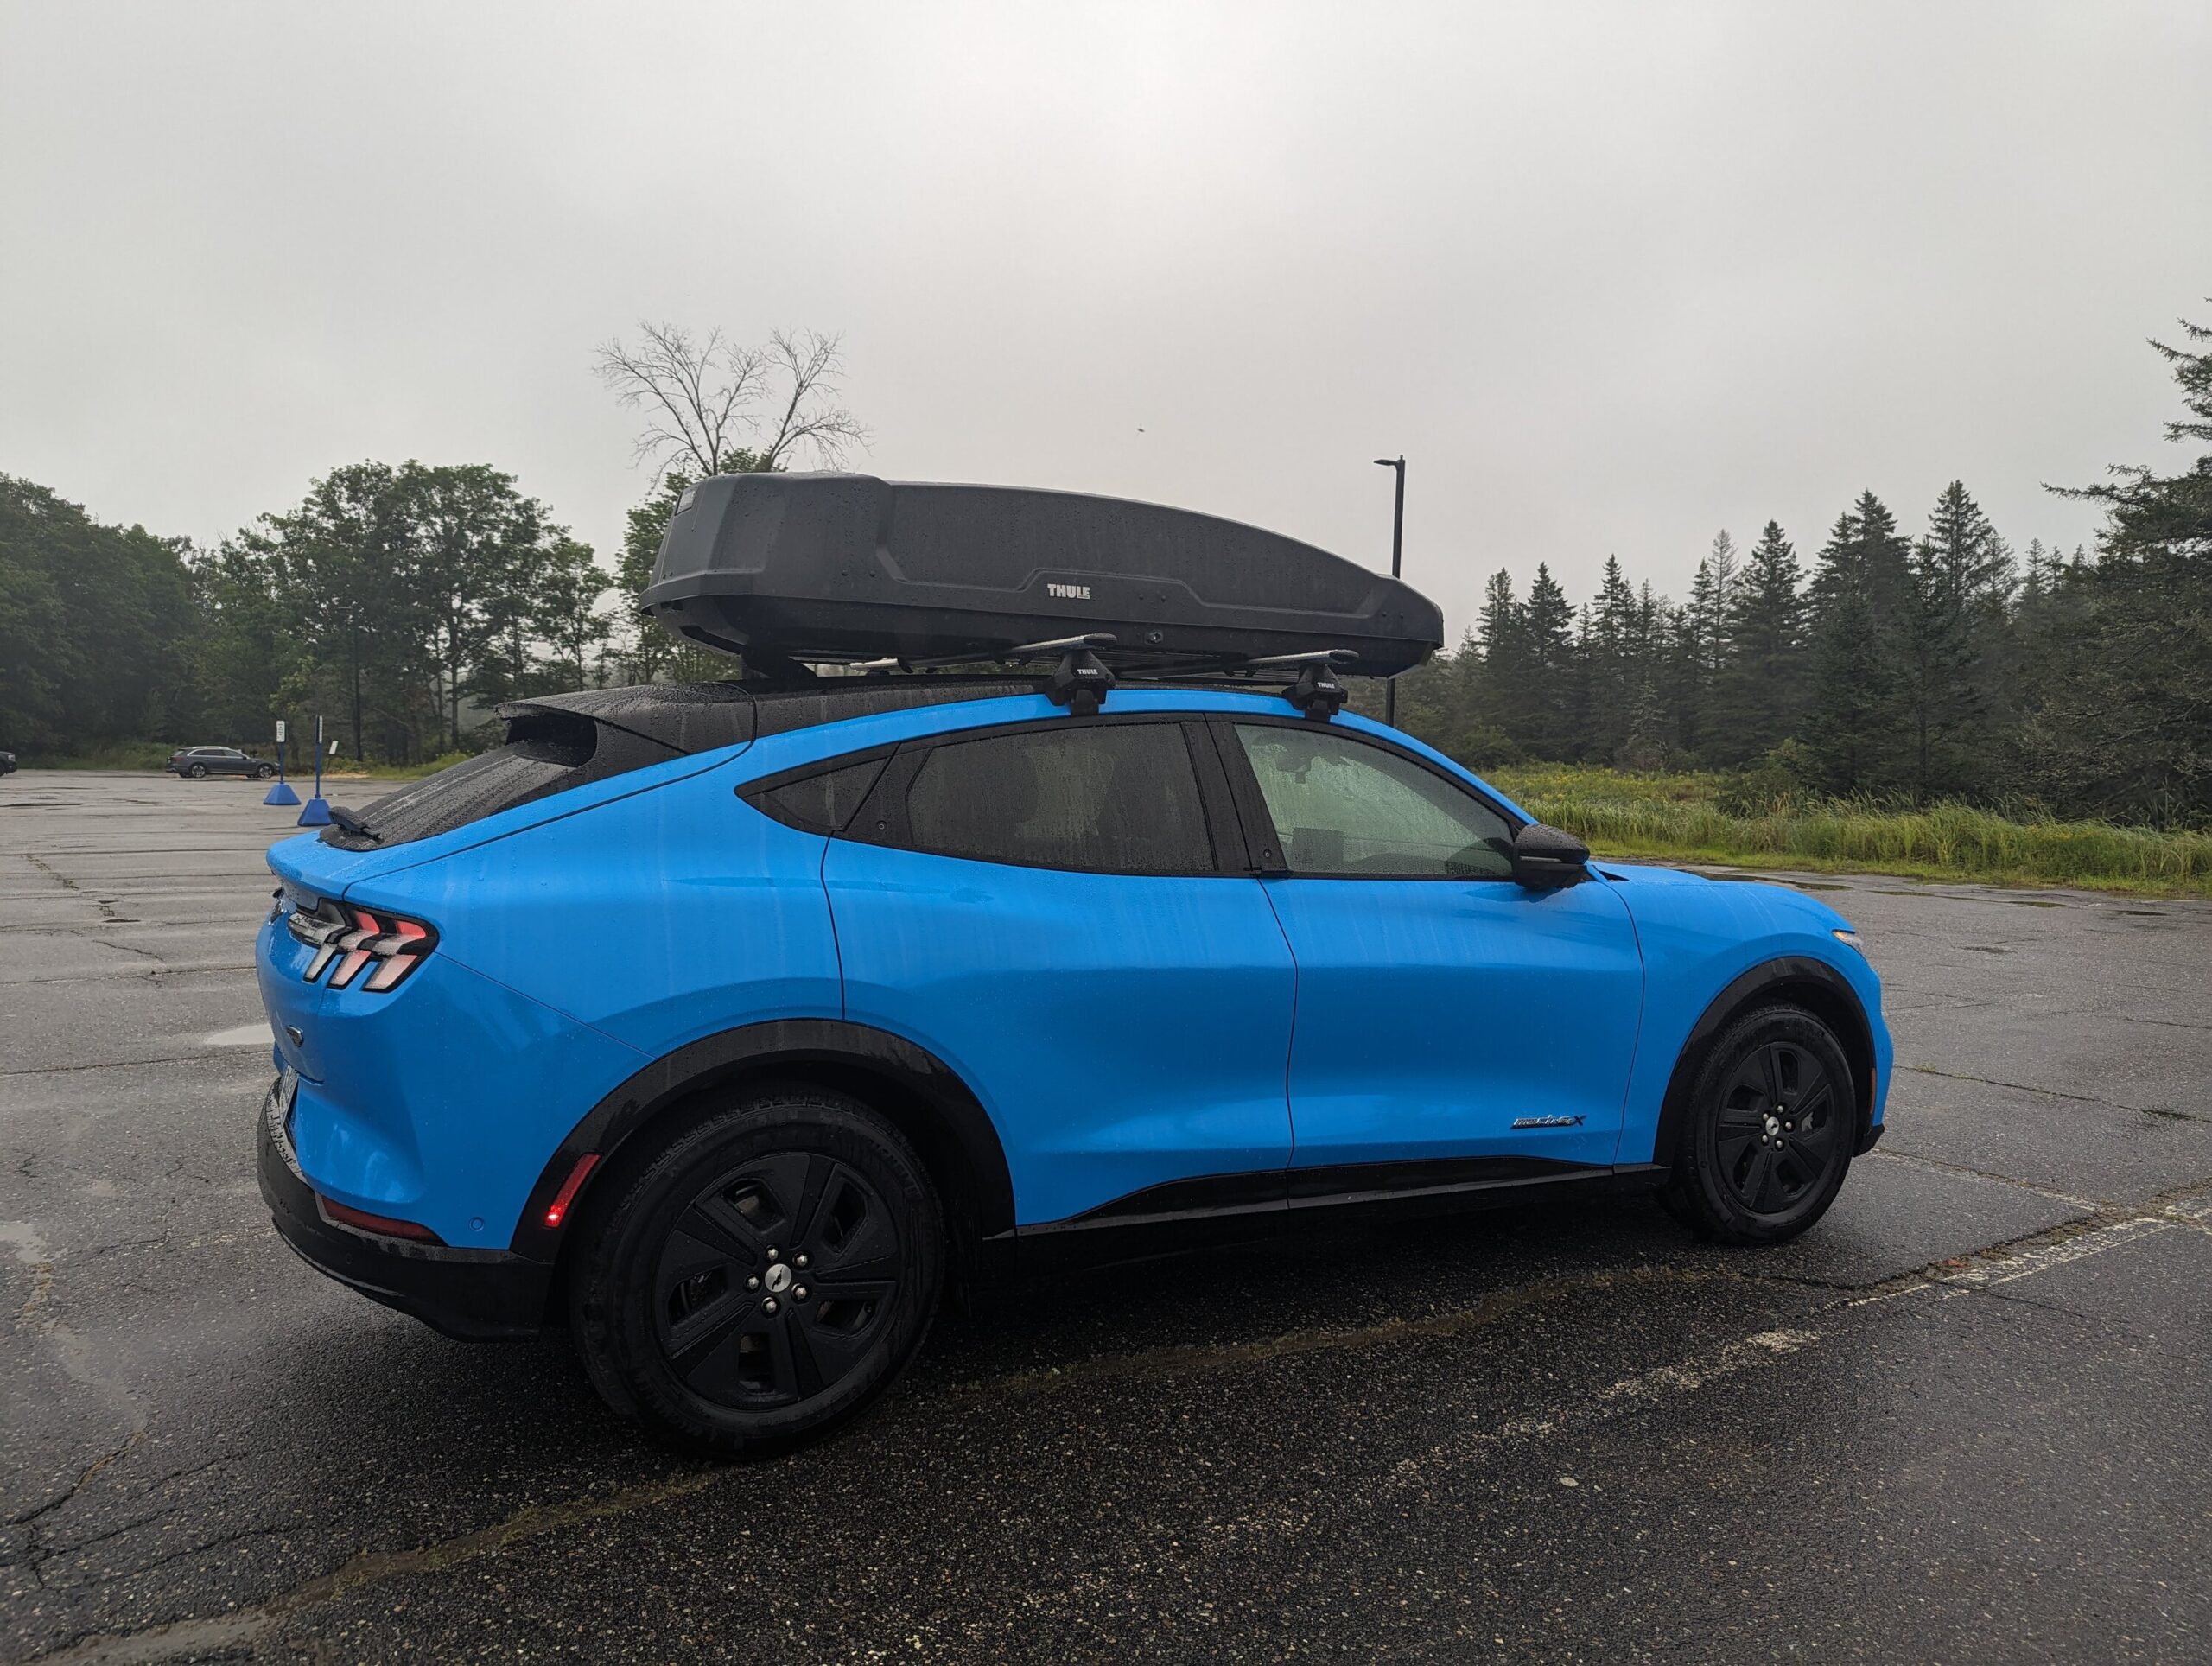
(567, 1195)
(383, 1225)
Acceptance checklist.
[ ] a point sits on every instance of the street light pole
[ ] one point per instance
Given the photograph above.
(1397, 551)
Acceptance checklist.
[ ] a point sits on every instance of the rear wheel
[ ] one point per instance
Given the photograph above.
(198, 772)
(1769, 1130)
(762, 1278)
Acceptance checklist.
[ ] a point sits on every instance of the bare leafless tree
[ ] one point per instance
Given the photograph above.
(705, 395)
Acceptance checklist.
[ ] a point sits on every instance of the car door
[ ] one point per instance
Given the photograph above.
(1043, 907)
(1444, 1010)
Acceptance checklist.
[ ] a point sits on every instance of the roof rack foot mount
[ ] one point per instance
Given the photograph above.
(1317, 694)
(1079, 682)
(893, 576)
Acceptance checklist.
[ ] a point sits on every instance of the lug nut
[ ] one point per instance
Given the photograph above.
(771, 1252)
(753, 1284)
(799, 1294)
(798, 1261)
(769, 1306)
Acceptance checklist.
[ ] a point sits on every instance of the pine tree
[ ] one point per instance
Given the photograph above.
(1705, 634)
(1547, 708)
(1499, 676)
(1862, 604)
(2124, 723)
(1652, 720)
(1948, 647)
(1758, 684)
(1608, 634)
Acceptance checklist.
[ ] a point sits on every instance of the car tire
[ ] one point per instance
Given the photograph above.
(262, 771)
(1768, 1130)
(198, 772)
(762, 1277)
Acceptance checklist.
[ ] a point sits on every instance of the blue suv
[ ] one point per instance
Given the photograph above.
(729, 1025)
(734, 1057)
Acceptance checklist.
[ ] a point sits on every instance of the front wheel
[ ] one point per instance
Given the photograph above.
(262, 771)
(762, 1279)
(1769, 1130)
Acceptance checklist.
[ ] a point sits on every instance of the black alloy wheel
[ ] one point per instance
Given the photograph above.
(262, 771)
(1776, 1130)
(1772, 1122)
(198, 772)
(762, 1277)
(775, 1280)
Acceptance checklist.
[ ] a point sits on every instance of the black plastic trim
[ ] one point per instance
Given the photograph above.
(1742, 991)
(762, 1049)
(1212, 1209)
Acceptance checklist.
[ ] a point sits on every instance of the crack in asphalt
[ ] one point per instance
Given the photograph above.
(1891, 1154)
(105, 905)
(2169, 1023)
(117, 1063)
(2055, 1093)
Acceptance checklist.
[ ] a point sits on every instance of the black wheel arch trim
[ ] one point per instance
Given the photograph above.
(1785, 978)
(928, 1102)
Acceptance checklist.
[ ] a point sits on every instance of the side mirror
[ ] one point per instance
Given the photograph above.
(1545, 858)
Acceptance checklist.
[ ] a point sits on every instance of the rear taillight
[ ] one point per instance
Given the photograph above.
(386, 946)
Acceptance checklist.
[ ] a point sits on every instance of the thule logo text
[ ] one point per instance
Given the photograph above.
(1068, 592)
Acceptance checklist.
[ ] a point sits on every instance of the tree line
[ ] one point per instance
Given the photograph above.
(1889, 667)
(403, 601)
(394, 599)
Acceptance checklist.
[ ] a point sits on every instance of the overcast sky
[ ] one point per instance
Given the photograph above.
(1611, 277)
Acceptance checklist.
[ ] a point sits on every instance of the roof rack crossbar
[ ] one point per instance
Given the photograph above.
(1318, 657)
(1060, 645)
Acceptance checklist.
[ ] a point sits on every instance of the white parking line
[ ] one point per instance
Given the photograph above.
(245, 1035)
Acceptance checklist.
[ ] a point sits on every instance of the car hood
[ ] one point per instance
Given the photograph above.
(1770, 903)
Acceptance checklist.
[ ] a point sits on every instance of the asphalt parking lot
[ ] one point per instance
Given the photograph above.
(1968, 1417)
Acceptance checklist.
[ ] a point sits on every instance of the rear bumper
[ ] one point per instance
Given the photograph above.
(474, 1295)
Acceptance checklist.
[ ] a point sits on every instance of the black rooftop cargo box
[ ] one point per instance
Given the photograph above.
(839, 569)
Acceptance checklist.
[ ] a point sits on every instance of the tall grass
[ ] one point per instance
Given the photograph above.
(1678, 815)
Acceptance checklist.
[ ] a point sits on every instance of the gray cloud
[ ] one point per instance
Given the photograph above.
(1611, 277)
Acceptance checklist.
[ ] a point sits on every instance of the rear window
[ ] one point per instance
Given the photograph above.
(547, 753)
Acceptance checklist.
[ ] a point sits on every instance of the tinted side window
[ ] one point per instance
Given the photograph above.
(1344, 809)
(1117, 799)
(823, 803)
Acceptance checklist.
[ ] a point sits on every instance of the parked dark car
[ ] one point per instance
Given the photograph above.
(7, 763)
(200, 761)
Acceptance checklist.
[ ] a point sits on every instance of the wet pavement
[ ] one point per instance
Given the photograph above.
(1968, 1417)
